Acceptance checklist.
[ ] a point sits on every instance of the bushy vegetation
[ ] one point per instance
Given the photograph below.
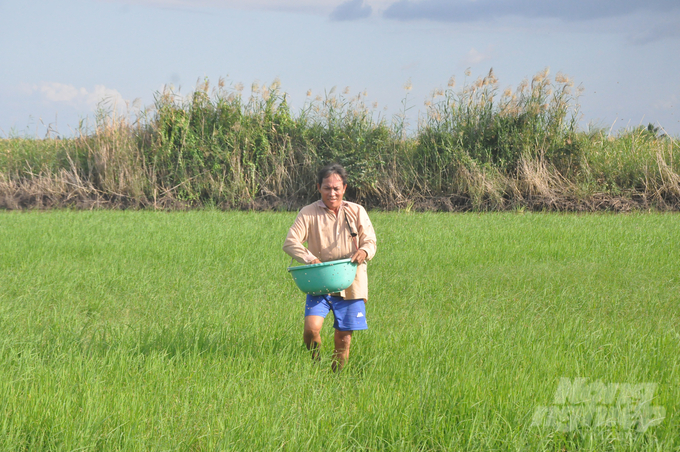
(476, 147)
(150, 331)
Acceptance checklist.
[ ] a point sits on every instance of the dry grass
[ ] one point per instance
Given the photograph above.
(476, 149)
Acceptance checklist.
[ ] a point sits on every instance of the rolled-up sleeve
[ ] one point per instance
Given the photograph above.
(297, 236)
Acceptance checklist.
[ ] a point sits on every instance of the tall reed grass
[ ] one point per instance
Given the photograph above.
(476, 147)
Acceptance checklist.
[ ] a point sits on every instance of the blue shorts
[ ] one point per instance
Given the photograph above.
(350, 315)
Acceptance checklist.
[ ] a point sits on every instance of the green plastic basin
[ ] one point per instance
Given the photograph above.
(324, 278)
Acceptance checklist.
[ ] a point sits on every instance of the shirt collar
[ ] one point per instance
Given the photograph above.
(321, 204)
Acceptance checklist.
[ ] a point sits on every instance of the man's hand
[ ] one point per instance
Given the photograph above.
(360, 257)
(315, 261)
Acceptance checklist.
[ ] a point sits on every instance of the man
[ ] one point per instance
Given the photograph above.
(334, 229)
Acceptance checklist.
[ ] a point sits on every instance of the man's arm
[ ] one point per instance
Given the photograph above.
(367, 238)
(297, 236)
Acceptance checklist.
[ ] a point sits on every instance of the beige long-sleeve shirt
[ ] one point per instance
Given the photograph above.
(328, 238)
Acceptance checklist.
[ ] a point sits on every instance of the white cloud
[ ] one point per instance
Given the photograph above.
(669, 103)
(474, 57)
(76, 97)
(58, 92)
(107, 95)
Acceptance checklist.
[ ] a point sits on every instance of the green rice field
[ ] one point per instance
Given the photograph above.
(182, 331)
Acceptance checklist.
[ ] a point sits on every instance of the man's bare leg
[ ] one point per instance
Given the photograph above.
(312, 334)
(341, 352)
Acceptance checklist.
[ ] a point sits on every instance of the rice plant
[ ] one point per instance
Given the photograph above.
(129, 330)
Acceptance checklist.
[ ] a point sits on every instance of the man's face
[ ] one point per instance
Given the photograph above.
(332, 190)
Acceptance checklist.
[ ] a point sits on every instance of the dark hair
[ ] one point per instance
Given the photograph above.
(329, 170)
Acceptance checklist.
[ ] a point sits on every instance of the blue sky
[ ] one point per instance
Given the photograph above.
(59, 59)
